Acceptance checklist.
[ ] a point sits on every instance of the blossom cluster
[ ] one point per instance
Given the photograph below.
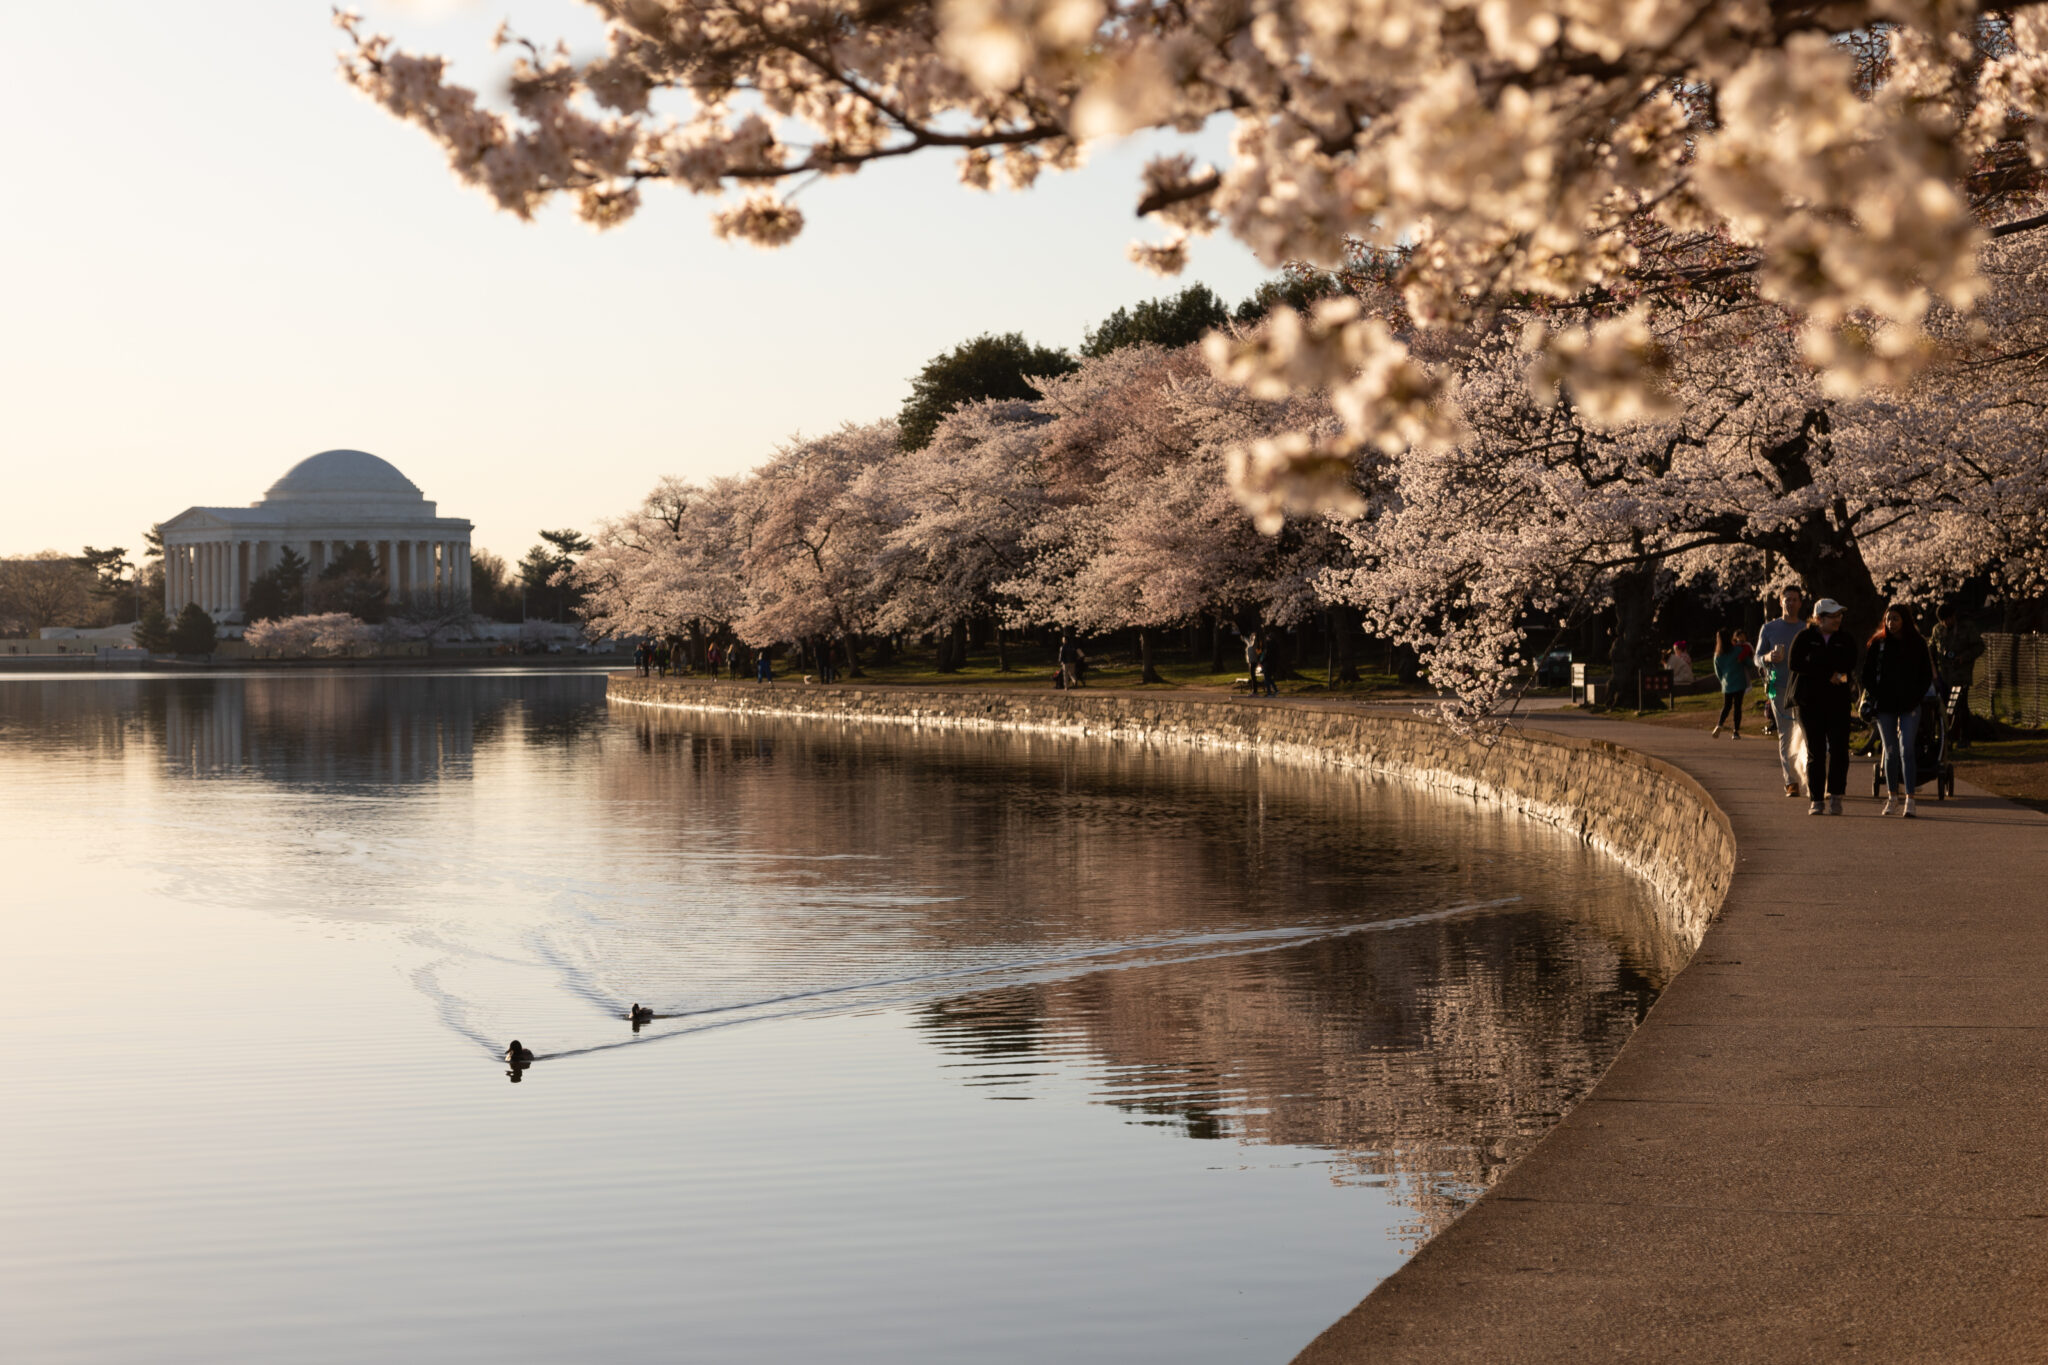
(1104, 504)
(334, 632)
(1594, 161)
(1100, 506)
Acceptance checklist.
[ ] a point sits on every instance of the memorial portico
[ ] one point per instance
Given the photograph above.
(323, 505)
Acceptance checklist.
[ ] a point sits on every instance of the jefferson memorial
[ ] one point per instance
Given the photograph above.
(322, 505)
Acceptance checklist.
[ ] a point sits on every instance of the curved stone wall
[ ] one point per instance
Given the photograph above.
(1643, 812)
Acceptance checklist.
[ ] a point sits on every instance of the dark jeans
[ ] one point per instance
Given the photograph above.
(1731, 710)
(1827, 752)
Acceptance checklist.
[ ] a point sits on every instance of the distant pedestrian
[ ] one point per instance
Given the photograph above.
(1823, 677)
(1731, 666)
(679, 657)
(712, 655)
(1679, 661)
(1898, 672)
(1774, 653)
(761, 670)
(643, 657)
(828, 671)
(1070, 663)
(732, 660)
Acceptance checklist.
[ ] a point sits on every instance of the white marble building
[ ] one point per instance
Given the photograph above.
(323, 504)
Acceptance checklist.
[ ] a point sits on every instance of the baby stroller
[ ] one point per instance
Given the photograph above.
(1930, 752)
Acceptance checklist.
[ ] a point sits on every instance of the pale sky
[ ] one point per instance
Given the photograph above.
(221, 260)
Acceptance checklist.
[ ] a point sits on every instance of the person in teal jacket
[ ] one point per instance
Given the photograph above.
(1731, 666)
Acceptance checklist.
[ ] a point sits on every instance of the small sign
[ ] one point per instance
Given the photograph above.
(1656, 682)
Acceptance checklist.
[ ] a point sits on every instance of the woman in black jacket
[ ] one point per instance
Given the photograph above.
(1897, 671)
(1823, 669)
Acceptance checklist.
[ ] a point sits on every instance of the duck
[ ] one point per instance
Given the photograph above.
(519, 1054)
(640, 1014)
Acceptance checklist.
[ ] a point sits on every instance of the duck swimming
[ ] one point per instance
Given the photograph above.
(519, 1054)
(640, 1014)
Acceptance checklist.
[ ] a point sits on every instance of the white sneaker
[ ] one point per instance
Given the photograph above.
(1716, 734)
(1834, 805)
(1910, 814)
(1816, 809)
(1891, 802)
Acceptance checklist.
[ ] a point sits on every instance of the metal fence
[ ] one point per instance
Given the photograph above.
(2011, 680)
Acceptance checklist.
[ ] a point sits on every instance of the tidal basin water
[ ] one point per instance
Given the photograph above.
(969, 1048)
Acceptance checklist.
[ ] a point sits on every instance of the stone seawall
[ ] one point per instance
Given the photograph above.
(1643, 812)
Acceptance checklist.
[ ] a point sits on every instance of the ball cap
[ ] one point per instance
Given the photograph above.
(1827, 606)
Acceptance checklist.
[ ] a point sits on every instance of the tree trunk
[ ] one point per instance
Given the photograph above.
(1344, 641)
(853, 658)
(1002, 650)
(1219, 661)
(1820, 547)
(960, 643)
(1146, 672)
(1634, 601)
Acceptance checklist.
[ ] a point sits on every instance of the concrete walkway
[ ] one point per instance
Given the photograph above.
(1828, 1141)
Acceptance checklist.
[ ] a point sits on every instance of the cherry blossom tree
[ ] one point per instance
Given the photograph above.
(1749, 456)
(815, 529)
(963, 506)
(1591, 160)
(334, 632)
(674, 566)
(1144, 534)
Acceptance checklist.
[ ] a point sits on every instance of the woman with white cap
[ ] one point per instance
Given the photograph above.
(1823, 688)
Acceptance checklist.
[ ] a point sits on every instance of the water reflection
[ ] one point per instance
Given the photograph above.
(336, 730)
(863, 972)
(1309, 973)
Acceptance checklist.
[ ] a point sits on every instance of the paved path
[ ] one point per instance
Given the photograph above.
(1828, 1141)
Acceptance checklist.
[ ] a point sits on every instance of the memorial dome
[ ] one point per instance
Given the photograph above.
(343, 475)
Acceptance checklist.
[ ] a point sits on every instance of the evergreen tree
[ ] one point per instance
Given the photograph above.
(986, 367)
(194, 632)
(350, 583)
(556, 554)
(278, 591)
(1298, 289)
(1168, 323)
(153, 628)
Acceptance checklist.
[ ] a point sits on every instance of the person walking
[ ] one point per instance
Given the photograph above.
(1898, 670)
(1774, 652)
(1823, 675)
(1070, 662)
(1731, 666)
(712, 655)
(762, 672)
